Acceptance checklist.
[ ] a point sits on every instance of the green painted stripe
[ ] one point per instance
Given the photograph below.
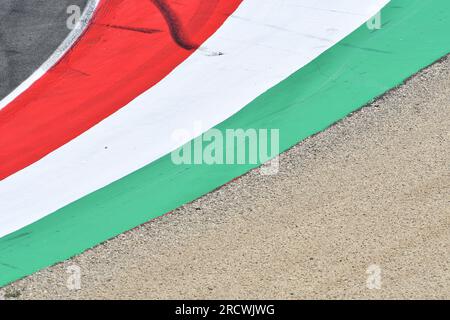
(360, 68)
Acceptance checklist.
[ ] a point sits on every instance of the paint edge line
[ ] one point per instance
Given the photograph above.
(62, 49)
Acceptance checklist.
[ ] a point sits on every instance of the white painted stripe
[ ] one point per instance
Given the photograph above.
(70, 40)
(263, 43)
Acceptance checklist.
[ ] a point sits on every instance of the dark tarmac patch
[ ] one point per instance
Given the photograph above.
(30, 31)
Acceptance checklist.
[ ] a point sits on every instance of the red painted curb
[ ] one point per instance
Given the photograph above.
(129, 47)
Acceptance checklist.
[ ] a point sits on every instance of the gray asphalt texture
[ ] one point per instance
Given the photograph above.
(30, 31)
(372, 190)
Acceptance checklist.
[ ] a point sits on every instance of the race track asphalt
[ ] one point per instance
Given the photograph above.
(30, 31)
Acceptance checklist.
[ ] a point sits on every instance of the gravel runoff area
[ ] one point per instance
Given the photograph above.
(30, 31)
(367, 198)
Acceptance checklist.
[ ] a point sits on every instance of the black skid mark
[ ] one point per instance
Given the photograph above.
(143, 30)
(174, 24)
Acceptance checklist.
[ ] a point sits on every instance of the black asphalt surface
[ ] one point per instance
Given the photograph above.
(30, 31)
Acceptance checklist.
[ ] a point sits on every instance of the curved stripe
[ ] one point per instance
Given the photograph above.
(262, 44)
(73, 36)
(129, 47)
(351, 74)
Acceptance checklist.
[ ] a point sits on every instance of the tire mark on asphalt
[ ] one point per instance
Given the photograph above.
(175, 25)
(136, 29)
